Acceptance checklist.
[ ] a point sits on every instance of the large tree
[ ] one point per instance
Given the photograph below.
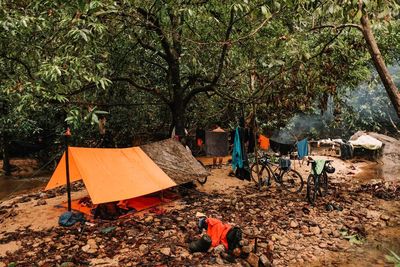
(384, 15)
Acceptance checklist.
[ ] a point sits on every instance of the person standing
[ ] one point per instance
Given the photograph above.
(217, 129)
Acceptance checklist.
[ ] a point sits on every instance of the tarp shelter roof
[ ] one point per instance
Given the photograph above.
(175, 160)
(112, 174)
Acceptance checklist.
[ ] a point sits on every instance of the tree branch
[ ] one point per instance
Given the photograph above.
(130, 81)
(337, 27)
(153, 24)
(150, 90)
(25, 65)
(221, 61)
(149, 47)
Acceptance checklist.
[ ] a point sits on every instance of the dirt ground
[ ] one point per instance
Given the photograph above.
(290, 232)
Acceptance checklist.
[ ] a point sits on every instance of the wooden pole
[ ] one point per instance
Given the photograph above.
(255, 130)
(67, 135)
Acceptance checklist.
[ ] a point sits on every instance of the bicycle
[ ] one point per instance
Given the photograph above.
(318, 183)
(288, 178)
(202, 179)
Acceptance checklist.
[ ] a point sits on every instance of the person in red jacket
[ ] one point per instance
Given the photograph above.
(221, 233)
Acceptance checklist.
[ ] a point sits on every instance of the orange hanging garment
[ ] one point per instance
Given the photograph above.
(217, 231)
(263, 142)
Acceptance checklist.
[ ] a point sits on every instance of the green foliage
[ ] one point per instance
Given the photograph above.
(152, 64)
(393, 258)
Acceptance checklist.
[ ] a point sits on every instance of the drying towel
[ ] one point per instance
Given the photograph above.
(302, 148)
(237, 157)
(264, 142)
(320, 164)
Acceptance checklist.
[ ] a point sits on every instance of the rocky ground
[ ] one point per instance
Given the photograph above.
(286, 230)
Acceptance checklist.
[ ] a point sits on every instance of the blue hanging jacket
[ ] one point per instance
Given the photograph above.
(302, 148)
(237, 157)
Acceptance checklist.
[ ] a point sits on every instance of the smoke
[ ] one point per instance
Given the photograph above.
(366, 107)
(305, 125)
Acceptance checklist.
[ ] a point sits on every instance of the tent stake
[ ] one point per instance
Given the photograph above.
(67, 135)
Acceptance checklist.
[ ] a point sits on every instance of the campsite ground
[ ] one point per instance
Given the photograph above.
(289, 231)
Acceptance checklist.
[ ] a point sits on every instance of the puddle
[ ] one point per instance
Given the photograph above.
(25, 178)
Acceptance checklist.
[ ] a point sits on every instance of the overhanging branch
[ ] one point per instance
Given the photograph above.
(337, 27)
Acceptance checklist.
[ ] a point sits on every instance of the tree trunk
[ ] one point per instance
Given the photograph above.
(6, 155)
(379, 63)
(178, 118)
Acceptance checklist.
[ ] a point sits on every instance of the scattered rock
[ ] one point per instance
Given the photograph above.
(219, 249)
(149, 219)
(143, 249)
(253, 259)
(246, 249)
(86, 248)
(265, 261)
(219, 261)
(315, 230)
(41, 202)
(322, 245)
(166, 251)
(385, 217)
(67, 264)
(294, 224)
(336, 233)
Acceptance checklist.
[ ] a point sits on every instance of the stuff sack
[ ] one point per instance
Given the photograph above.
(234, 236)
(69, 218)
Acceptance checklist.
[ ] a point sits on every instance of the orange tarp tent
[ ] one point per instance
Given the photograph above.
(111, 174)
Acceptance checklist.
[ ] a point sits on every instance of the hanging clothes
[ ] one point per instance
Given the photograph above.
(240, 162)
(302, 148)
(319, 166)
(263, 142)
(237, 157)
(200, 136)
(283, 149)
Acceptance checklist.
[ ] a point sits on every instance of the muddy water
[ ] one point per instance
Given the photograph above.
(14, 186)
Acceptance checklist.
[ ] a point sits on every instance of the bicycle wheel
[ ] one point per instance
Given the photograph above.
(292, 181)
(323, 184)
(202, 180)
(263, 171)
(312, 188)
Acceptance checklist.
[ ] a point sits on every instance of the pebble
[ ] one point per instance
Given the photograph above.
(265, 261)
(253, 260)
(149, 219)
(219, 261)
(323, 245)
(315, 230)
(41, 202)
(385, 217)
(220, 248)
(166, 251)
(284, 241)
(294, 224)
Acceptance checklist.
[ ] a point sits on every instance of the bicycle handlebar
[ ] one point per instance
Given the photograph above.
(311, 160)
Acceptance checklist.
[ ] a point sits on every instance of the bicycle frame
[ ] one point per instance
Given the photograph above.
(269, 166)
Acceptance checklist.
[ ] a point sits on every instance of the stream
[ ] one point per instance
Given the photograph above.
(10, 186)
